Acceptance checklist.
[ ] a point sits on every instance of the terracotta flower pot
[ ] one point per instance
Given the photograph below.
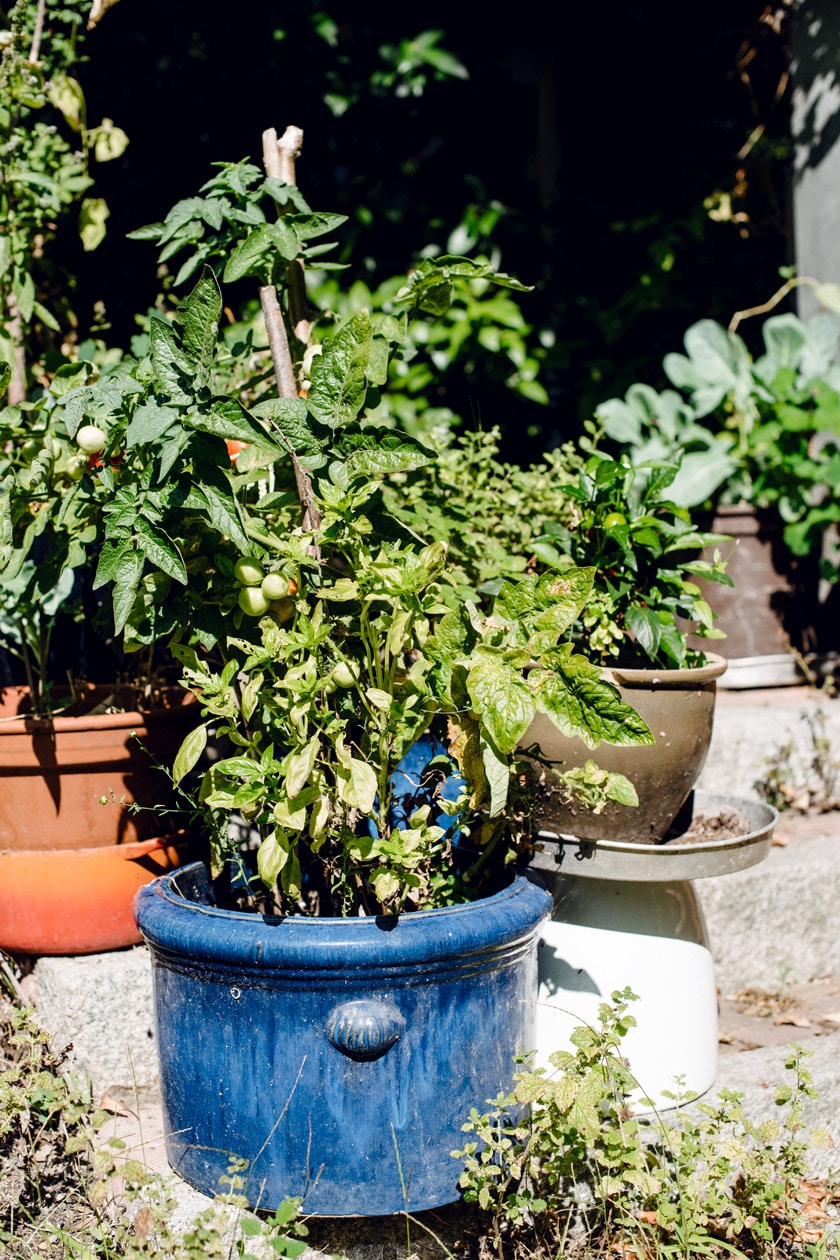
(678, 706)
(55, 773)
(78, 901)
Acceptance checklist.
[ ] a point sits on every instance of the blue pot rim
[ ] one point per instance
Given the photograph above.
(182, 929)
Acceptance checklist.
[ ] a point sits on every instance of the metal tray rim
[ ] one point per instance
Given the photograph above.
(609, 859)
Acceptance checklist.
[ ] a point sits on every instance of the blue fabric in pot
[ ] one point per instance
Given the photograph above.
(414, 785)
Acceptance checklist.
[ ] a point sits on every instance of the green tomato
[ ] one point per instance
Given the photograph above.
(249, 573)
(77, 467)
(91, 439)
(252, 601)
(613, 519)
(275, 586)
(346, 673)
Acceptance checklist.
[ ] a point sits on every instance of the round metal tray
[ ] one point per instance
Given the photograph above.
(671, 860)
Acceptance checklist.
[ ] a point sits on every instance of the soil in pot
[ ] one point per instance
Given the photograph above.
(678, 706)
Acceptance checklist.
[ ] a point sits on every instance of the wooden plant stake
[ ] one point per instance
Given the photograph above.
(279, 162)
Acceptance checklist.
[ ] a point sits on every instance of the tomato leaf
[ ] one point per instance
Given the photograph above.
(308, 226)
(160, 549)
(219, 506)
(228, 419)
(374, 452)
(149, 422)
(291, 417)
(339, 382)
(252, 257)
(169, 365)
(126, 574)
(199, 317)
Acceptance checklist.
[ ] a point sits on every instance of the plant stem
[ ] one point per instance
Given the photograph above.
(789, 285)
(487, 851)
(34, 691)
(17, 385)
(35, 47)
(264, 540)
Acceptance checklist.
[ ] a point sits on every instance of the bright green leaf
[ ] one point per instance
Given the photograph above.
(189, 754)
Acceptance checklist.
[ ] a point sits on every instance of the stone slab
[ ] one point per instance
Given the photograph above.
(778, 922)
(101, 1004)
(752, 731)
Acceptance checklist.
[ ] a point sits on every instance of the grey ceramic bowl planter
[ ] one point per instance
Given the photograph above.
(338, 1057)
(678, 706)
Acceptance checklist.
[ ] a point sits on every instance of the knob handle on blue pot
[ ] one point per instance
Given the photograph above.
(365, 1030)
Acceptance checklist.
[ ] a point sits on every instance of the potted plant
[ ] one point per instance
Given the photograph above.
(74, 758)
(759, 448)
(650, 561)
(99, 816)
(339, 982)
(579, 508)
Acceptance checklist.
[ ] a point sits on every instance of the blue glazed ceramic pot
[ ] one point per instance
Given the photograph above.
(338, 1057)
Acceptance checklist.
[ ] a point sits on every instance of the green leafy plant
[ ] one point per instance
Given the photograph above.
(486, 510)
(563, 1154)
(47, 144)
(649, 561)
(479, 336)
(66, 1185)
(763, 431)
(308, 621)
(47, 1120)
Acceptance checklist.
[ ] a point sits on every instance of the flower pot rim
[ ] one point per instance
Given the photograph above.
(28, 723)
(129, 851)
(678, 677)
(385, 921)
(174, 924)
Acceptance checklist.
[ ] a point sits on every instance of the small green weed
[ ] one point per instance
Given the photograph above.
(560, 1167)
(563, 1165)
(66, 1193)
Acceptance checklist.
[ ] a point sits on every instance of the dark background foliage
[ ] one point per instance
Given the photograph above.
(601, 129)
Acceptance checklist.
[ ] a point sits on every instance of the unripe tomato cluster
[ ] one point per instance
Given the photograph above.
(263, 592)
(344, 674)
